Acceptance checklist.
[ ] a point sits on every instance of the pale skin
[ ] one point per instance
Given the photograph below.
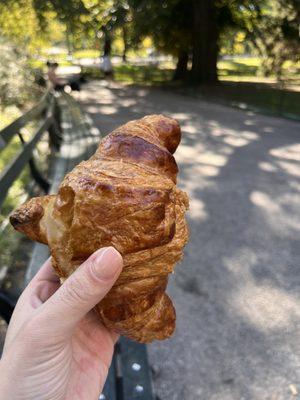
(55, 347)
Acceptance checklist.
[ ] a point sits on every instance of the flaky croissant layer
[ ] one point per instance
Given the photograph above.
(124, 196)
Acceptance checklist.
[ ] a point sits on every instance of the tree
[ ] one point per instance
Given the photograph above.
(274, 33)
(205, 42)
(21, 39)
(98, 17)
(195, 27)
(121, 18)
(187, 29)
(168, 24)
(118, 18)
(17, 79)
(212, 18)
(19, 26)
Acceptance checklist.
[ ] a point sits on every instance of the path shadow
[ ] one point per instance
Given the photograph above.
(236, 292)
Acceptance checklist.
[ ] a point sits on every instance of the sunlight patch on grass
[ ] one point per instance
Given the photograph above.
(86, 53)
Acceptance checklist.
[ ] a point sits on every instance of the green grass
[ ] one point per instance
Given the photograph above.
(86, 53)
(8, 115)
(40, 64)
(147, 75)
(237, 68)
(257, 96)
(251, 67)
(133, 74)
(234, 89)
(240, 68)
(241, 78)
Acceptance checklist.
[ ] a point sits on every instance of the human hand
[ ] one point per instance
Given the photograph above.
(55, 347)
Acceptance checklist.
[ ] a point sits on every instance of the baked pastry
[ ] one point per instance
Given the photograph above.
(125, 195)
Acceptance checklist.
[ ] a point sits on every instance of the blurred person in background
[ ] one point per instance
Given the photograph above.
(58, 83)
(53, 79)
(106, 65)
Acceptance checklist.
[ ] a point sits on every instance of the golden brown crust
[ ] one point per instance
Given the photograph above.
(26, 219)
(124, 196)
(167, 129)
(156, 129)
(135, 149)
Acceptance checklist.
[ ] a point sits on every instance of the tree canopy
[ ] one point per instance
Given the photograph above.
(192, 31)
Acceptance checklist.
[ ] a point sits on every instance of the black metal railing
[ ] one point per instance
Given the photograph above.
(48, 113)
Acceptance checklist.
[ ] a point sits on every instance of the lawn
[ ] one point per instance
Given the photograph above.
(238, 86)
(239, 67)
(241, 82)
(133, 74)
(261, 97)
(251, 66)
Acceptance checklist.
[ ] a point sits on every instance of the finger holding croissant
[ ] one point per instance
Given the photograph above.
(124, 196)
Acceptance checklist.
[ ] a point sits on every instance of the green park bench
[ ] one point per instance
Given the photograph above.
(72, 138)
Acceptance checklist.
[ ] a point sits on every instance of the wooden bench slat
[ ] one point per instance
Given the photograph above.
(110, 388)
(84, 143)
(135, 371)
(11, 173)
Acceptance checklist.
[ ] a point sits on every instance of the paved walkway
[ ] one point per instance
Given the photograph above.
(237, 289)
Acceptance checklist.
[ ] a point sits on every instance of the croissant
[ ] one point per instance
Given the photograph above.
(124, 196)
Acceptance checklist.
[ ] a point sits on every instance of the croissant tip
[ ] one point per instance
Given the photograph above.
(26, 214)
(14, 220)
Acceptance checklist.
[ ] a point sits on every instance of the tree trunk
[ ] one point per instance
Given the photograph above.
(125, 43)
(68, 41)
(107, 44)
(180, 72)
(205, 42)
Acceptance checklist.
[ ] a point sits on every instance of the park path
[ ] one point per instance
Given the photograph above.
(237, 290)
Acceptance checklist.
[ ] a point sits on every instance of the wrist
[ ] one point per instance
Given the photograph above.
(4, 381)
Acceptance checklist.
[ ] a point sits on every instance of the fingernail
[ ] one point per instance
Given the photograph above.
(108, 261)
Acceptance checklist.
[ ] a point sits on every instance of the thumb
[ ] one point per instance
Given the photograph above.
(83, 289)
